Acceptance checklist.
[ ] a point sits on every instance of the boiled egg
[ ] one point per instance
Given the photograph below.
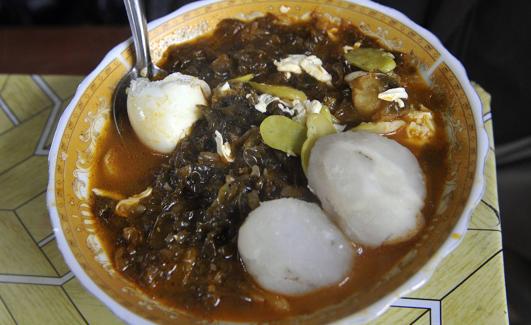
(162, 112)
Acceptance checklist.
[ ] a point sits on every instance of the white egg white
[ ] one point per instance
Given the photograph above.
(162, 112)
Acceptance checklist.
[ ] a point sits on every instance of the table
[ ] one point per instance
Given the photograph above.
(57, 50)
(36, 286)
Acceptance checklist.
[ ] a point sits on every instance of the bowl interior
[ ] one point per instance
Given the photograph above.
(89, 114)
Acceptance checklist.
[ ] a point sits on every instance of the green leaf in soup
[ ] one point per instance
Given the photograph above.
(318, 125)
(284, 92)
(244, 78)
(370, 59)
(282, 133)
(326, 113)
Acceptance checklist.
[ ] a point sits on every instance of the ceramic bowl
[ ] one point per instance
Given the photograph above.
(76, 139)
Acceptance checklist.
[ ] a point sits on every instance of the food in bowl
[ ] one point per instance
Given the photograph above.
(302, 161)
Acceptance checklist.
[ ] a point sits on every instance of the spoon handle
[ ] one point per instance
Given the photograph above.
(137, 22)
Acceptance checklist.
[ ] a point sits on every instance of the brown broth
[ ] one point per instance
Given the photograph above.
(136, 166)
(125, 164)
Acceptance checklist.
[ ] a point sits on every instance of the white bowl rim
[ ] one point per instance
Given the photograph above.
(362, 316)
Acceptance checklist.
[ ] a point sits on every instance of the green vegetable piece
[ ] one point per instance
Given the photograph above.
(319, 125)
(326, 113)
(244, 78)
(370, 59)
(283, 92)
(282, 133)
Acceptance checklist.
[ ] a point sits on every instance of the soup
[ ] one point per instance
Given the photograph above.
(177, 238)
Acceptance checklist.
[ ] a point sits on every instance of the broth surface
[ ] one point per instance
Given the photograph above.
(181, 249)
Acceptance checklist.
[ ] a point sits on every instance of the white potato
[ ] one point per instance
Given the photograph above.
(371, 185)
(290, 247)
(162, 112)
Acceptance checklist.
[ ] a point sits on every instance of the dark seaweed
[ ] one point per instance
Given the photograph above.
(187, 234)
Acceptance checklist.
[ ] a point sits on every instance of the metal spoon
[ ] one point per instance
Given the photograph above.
(143, 65)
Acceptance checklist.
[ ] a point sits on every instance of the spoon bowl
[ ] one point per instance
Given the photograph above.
(119, 102)
(143, 66)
